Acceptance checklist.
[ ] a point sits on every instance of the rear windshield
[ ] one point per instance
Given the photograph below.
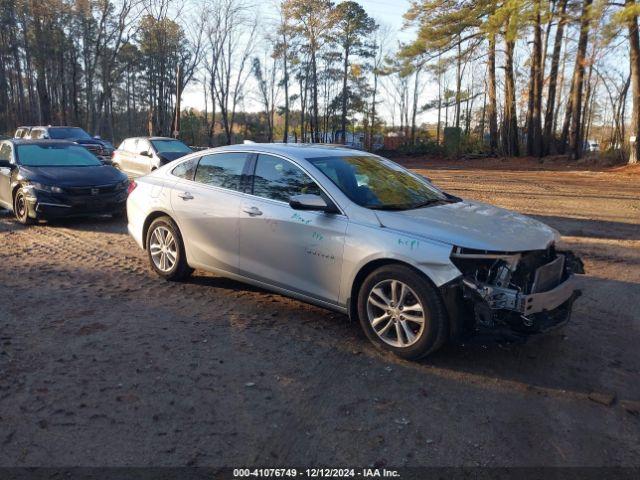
(49, 155)
(170, 146)
(68, 132)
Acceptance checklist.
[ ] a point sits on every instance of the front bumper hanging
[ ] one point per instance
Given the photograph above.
(547, 305)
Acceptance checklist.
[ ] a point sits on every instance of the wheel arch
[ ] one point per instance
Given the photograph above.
(149, 220)
(369, 267)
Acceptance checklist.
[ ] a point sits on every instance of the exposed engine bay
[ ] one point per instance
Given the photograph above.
(529, 292)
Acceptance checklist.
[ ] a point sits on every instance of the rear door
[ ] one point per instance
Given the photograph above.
(142, 163)
(131, 152)
(206, 203)
(300, 251)
(5, 176)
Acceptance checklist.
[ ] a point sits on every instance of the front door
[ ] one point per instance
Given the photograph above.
(300, 251)
(207, 208)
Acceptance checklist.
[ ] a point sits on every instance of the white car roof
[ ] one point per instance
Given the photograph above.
(294, 150)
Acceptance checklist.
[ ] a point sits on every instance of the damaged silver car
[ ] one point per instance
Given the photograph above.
(358, 234)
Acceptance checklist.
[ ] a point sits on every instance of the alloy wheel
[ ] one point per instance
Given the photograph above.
(395, 313)
(163, 248)
(20, 207)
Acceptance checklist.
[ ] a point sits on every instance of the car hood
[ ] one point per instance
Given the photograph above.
(170, 156)
(472, 225)
(73, 176)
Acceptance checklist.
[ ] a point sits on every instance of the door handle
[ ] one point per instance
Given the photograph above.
(252, 211)
(185, 196)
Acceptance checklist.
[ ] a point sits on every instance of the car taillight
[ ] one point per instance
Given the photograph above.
(132, 187)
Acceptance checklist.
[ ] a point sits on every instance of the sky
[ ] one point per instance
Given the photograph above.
(388, 12)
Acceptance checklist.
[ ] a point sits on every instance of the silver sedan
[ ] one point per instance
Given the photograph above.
(358, 234)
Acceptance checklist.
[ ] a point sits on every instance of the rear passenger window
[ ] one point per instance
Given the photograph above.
(5, 152)
(185, 169)
(127, 145)
(143, 146)
(221, 170)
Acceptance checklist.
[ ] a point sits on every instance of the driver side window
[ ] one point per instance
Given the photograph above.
(279, 179)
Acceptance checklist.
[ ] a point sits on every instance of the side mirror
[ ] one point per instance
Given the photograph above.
(426, 178)
(145, 154)
(6, 164)
(311, 202)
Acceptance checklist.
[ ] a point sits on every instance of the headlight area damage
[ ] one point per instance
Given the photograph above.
(527, 292)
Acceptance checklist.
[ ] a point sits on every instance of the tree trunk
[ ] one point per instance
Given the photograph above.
(634, 47)
(534, 127)
(510, 137)
(414, 111)
(492, 110)
(345, 75)
(553, 81)
(575, 146)
(373, 110)
(314, 88)
(439, 103)
(285, 135)
(458, 82)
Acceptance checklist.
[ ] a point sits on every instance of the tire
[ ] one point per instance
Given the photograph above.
(164, 231)
(427, 336)
(21, 209)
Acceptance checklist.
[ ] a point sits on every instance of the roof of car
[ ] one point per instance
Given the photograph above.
(23, 141)
(298, 150)
(150, 138)
(47, 126)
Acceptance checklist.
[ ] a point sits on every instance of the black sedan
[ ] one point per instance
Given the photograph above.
(45, 179)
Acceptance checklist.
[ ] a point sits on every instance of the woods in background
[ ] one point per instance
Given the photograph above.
(507, 78)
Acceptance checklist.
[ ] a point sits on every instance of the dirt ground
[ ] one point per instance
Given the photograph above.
(104, 364)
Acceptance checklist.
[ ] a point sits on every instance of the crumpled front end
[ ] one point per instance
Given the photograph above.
(528, 292)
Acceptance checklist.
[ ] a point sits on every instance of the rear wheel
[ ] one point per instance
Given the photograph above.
(401, 311)
(166, 250)
(21, 208)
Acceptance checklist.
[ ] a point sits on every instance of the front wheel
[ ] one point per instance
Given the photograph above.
(21, 208)
(401, 311)
(166, 250)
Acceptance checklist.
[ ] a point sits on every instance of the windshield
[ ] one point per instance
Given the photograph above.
(51, 155)
(68, 132)
(170, 146)
(377, 183)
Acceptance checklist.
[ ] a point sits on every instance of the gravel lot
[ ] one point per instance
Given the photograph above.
(104, 364)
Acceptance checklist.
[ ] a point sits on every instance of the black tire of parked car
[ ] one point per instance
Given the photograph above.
(181, 269)
(436, 322)
(21, 209)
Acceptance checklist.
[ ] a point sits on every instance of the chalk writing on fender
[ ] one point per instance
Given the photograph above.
(300, 219)
(409, 243)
